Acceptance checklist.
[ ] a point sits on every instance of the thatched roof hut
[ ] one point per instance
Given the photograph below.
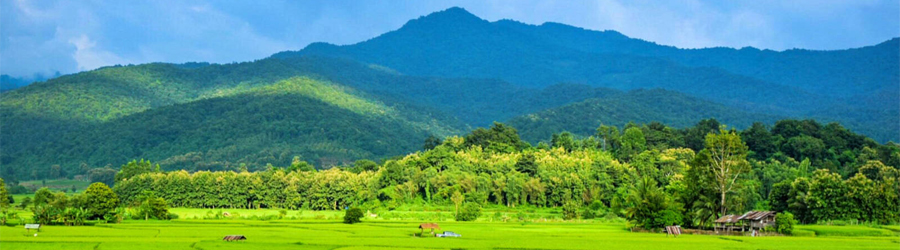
(759, 219)
(727, 223)
(234, 237)
(431, 226)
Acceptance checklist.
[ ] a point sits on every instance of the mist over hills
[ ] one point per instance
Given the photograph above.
(439, 75)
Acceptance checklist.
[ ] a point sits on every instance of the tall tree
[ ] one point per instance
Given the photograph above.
(4, 201)
(633, 143)
(135, 168)
(100, 200)
(726, 155)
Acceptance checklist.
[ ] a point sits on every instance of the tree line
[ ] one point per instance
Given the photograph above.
(646, 173)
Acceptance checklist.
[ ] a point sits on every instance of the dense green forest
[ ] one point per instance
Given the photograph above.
(668, 107)
(652, 174)
(859, 83)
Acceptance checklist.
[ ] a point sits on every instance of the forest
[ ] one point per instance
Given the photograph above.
(651, 174)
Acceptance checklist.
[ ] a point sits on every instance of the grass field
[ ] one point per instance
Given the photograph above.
(387, 234)
(64, 185)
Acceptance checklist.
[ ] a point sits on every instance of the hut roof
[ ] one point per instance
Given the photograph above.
(756, 215)
(234, 237)
(429, 226)
(728, 219)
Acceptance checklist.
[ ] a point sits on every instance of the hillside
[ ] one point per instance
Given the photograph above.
(796, 83)
(320, 121)
(638, 106)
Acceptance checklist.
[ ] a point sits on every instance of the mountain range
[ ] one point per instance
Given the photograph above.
(439, 75)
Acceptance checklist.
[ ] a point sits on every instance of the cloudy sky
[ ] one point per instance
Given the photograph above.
(45, 36)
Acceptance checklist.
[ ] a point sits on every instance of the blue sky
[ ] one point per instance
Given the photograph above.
(70, 36)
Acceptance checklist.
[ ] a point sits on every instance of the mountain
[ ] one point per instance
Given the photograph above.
(320, 121)
(797, 83)
(438, 75)
(639, 106)
(194, 116)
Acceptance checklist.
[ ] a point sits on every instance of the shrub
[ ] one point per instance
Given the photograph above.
(597, 206)
(588, 214)
(151, 206)
(784, 223)
(665, 218)
(353, 215)
(570, 211)
(469, 212)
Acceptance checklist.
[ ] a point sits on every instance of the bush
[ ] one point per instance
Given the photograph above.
(665, 218)
(570, 211)
(469, 212)
(588, 214)
(597, 206)
(784, 223)
(353, 215)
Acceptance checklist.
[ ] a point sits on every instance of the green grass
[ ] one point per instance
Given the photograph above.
(310, 233)
(822, 230)
(64, 185)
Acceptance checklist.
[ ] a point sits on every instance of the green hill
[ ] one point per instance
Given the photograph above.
(795, 83)
(639, 106)
(322, 122)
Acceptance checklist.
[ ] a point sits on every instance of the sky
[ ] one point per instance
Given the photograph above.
(48, 36)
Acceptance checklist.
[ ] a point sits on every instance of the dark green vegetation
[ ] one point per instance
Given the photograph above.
(645, 174)
(438, 75)
(353, 215)
(856, 86)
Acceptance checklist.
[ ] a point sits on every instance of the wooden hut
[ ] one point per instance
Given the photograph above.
(234, 237)
(728, 223)
(431, 226)
(756, 220)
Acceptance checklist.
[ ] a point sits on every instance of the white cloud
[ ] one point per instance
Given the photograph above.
(89, 57)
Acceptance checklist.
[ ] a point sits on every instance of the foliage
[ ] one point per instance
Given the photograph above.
(4, 195)
(100, 200)
(570, 211)
(499, 138)
(469, 212)
(725, 156)
(135, 167)
(353, 215)
(651, 207)
(784, 223)
(150, 206)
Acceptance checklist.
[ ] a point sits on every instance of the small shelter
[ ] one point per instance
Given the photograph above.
(750, 221)
(728, 223)
(431, 226)
(37, 227)
(673, 230)
(756, 220)
(234, 237)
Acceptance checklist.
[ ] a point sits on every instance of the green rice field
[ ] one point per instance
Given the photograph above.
(328, 233)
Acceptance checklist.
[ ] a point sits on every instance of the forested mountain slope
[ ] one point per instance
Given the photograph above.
(796, 83)
(319, 121)
(639, 106)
